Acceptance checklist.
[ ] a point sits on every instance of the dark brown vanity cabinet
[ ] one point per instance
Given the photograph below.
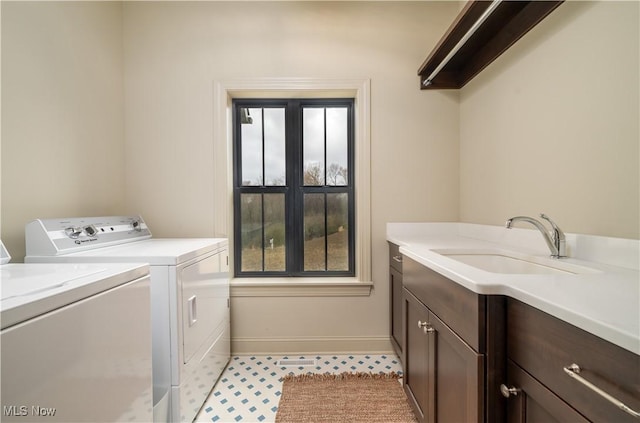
(395, 295)
(542, 351)
(444, 344)
(490, 358)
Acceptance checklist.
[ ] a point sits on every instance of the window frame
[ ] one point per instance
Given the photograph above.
(227, 89)
(294, 188)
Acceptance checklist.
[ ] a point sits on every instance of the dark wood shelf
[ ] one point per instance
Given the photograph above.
(506, 25)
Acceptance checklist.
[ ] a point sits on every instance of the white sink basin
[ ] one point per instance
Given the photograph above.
(509, 262)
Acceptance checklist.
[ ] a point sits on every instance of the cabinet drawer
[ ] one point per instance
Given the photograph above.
(534, 403)
(463, 310)
(543, 345)
(395, 258)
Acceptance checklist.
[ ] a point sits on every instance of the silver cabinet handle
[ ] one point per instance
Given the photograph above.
(426, 327)
(507, 392)
(398, 259)
(573, 371)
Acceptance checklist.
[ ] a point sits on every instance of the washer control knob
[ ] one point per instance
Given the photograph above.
(136, 225)
(73, 232)
(91, 230)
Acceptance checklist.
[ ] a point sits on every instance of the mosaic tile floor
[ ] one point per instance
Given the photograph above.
(249, 388)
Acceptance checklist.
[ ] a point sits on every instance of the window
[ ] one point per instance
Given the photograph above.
(294, 187)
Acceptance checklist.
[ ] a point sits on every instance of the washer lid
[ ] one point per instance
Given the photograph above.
(29, 290)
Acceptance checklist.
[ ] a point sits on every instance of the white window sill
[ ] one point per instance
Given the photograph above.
(299, 287)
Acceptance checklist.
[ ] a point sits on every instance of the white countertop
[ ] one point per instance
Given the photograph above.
(604, 302)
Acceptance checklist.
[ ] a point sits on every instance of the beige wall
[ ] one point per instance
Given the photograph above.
(62, 124)
(175, 51)
(552, 125)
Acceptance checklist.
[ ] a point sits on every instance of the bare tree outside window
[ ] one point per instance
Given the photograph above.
(336, 175)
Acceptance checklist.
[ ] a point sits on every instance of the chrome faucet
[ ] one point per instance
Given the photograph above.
(555, 241)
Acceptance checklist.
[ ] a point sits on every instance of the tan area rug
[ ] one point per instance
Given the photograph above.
(346, 397)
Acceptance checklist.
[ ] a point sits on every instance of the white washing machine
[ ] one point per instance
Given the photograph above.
(189, 298)
(75, 342)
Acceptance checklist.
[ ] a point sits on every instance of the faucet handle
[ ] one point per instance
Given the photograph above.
(558, 236)
(553, 224)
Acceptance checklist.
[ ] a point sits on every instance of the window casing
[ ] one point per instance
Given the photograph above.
(293, 185)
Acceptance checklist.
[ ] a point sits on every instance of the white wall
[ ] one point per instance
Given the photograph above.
(175, 51)
(62, 123)
(552, 125)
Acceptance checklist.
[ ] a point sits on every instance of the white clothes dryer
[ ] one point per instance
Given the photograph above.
(189, 298)
(75, 342)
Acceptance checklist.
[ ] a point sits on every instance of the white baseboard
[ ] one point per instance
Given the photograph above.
(313, 345)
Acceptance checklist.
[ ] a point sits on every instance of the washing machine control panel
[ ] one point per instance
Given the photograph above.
(62, 236)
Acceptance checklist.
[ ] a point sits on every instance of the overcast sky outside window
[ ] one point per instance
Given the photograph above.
(274, 138)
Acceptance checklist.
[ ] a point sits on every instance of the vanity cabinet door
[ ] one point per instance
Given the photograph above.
(395, 298)
(531, 402)
(444, 376)
(459, 376)
(395, 279)
(417, 358)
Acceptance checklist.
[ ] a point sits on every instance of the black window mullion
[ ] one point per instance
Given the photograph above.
(326, 233)
(295, 232)
(262, 228)
(263, 185)
(324, 121)
(264, 180)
